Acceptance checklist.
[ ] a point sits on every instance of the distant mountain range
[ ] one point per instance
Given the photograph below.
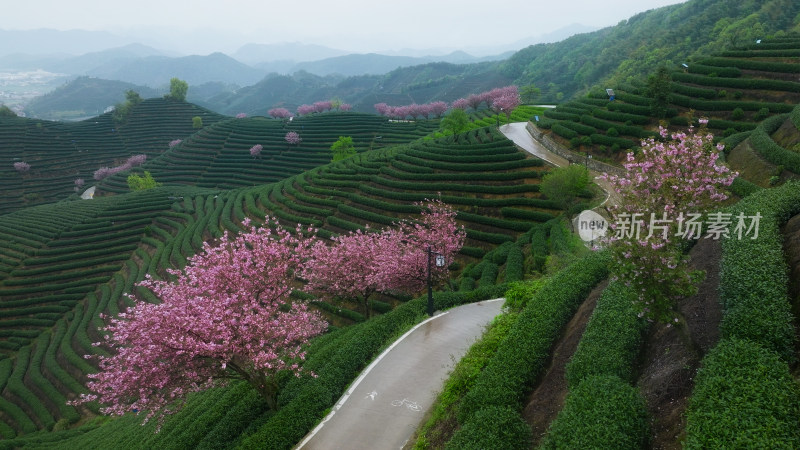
(258, 77)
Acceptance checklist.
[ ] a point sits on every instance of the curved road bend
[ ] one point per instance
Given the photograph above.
(518, 133)
(384, 406)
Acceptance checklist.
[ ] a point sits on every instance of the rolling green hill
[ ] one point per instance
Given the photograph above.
(63, 263)
(59, 153)
(83, 97)
(748, 92)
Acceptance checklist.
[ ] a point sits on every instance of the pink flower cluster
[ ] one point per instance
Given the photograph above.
(255, 150)
(228, 314)
(241, 115)
(280, 113)
(293, 138)
(317, 107)
(133, 161)
(434, 109)
(22, 167)
(174, 142)
(676, 176)
(393, 260)
(499, 99)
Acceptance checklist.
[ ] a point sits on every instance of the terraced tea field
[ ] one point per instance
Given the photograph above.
(64, 264)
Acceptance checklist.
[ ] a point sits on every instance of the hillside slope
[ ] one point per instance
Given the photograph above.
(59, 153)
(64, 263)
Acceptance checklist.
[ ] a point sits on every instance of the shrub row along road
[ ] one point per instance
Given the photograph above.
(384, 406)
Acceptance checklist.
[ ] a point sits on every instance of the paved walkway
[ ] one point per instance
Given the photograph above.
(518, 133)
(384, 406)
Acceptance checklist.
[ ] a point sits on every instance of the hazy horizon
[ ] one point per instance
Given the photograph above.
(350, 25)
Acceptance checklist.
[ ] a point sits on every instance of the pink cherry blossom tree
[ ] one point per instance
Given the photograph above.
(293, 138)
(404, 268)
(347, 269)
(359, 264)
(460, 103)
(322, 106)
(303, 110)
(279, 113)
(660, 192)
(506, 104)
(174, 142)
(382, 109)
(345, 107)
(437, 108)
(241, 115)
(227, 315)
(22, 167)
(474, 101)
(79, 183)
(255, 151)
(133, 161)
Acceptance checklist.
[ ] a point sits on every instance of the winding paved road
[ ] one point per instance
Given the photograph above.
(384, 406)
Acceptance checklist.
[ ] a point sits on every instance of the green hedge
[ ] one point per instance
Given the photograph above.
(738, 83)
(715, 71)
(515, 265)
(612, 340)
(602, 412)
(749, 64)
(496, 428)
(762, 142)
(742, 188)
(744, 397)
(524, 354)
(726, 105)
(795, 115)
(563, 131)
(753, 273)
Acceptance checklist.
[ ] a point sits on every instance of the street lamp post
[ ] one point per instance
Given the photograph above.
(439, 263)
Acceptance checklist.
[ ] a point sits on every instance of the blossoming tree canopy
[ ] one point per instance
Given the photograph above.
(226, 315)
(404, 269)
(22, 166)
(359, 264)
(293, 138)
(672, 179)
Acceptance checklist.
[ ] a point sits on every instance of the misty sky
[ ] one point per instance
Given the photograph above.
(354, 25)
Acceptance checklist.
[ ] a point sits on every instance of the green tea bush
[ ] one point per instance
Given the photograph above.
(495, 427)
(578, 127)
(523, 355)
(751, 64)
(744, 397)
(515, 265)
(753, 274)
(601, 412)
(563, 131)
(715, 71)
(612, 340)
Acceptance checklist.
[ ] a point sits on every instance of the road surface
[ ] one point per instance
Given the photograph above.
(384, 406)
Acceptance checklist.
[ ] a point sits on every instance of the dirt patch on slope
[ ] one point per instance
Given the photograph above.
(673, 353)
(791, 248)
(545, 402)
